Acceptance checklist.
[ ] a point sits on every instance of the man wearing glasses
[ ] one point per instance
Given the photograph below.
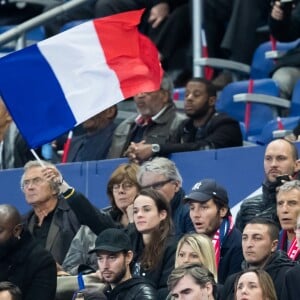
(52, 222)
(161, 174)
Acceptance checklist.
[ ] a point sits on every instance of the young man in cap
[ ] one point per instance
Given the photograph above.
(114, 252)
(211, 215)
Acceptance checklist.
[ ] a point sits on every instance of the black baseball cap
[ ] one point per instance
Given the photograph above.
(112, 240)
(205, 190)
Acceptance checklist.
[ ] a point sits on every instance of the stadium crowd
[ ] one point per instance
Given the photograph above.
(156, 240)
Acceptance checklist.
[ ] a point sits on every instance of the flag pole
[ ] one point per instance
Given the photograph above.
(67, 147)
(37, 158)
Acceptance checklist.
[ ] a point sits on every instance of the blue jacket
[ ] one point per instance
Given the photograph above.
(181, 215)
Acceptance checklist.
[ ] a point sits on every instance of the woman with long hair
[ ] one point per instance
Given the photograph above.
(254, 284)
(150, 230)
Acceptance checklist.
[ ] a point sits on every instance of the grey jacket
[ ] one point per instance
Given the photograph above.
(82, 243)
(163, 130)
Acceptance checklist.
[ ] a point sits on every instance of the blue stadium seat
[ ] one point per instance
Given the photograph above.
(259, 113)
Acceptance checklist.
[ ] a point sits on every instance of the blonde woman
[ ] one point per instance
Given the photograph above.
(195, 248)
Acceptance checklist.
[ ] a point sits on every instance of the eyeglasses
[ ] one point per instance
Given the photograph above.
(157, 185)
(125, 186)
(34, 181)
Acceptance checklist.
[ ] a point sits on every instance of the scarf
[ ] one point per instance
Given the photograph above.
(293, 252)
(220, 236)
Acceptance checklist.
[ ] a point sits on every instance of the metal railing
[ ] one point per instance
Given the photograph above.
(18, 32)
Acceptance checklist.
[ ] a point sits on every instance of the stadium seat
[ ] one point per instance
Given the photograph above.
(262, 61)
(260, 111)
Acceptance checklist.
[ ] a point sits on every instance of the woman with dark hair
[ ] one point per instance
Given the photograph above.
(150, 230)
(254, 284)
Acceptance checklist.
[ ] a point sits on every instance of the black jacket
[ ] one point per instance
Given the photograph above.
(262, 205)
(277, 266)
(291, 286)
(31, 268)
(132, 289)
(220, 131)
(63, 228)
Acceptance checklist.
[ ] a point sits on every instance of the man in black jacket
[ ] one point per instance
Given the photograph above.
(22, 260)
(284, 26)
(204, 129)
(259, 242)
(280, 158)
(114, 252)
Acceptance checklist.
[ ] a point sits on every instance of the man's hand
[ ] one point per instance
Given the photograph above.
(277, 13)
(60, 271)
(129, 212)
(139, 152)
(158, 13)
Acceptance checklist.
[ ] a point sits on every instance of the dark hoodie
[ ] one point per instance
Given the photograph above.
(276, 266)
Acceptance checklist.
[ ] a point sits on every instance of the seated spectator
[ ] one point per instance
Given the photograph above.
(231, 30)
(23, 261)
(204, 129)
(51, 221)
(14, 151)
(115, 253)
(280, 158)
(151, 234)
(291, 287)
(192, 281)
(254, 284)
(161, 174)
(284, 27)
(9, 291)
(157, 122)
(122, 188)
(259, 242)
(196, 248)
(288, 206)
(211, 216)
(95, 142)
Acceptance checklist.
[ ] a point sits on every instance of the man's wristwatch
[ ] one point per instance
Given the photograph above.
(155, 148)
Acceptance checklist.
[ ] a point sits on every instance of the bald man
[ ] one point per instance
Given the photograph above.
(281, 158)
(23, 262)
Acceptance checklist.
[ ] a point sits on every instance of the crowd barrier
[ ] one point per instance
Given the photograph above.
(240, 170)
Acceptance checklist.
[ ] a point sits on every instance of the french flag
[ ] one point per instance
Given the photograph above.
(60, 82)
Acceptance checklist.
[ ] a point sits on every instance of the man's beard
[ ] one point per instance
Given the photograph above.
(200, 113)
(7, 246)
(119, 276)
